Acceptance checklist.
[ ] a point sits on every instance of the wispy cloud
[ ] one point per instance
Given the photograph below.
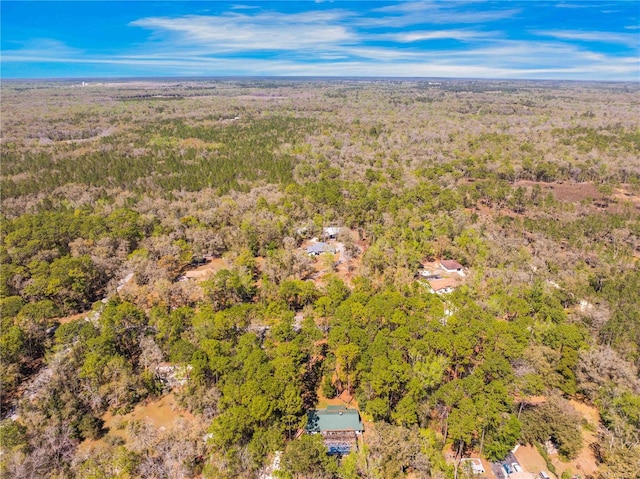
(571, 5)
(243, 7)
(38, 47)
(503, 59)
(430, 12)
(629, 39)
(416, 36)
(234, 32)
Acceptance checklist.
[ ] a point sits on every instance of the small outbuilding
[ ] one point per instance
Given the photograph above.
(330, 232)
(474, 463)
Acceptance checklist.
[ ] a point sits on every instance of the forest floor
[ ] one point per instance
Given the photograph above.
(577, 192)
(73, 317)
(343, 399)
(623, 194)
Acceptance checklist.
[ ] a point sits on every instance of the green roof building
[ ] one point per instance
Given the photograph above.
(334, 418)
(338, 425)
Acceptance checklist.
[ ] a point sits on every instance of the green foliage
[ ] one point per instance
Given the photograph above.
(395, 450)
(124, 324)
(555, 420)
(90, 427)
(12, 435)
(503, 439)
(307, 457)
(181, 351)
(623, 328)
(587, 139)
(233, 153)
(78, 330)
(328, 389)
(12, 341)
(69, 282)
(297, 293)
(10, 306)
(228, 288)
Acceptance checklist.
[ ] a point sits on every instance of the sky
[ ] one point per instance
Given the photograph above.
(534, 39)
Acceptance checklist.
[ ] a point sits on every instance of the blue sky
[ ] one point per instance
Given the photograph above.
(575, 40)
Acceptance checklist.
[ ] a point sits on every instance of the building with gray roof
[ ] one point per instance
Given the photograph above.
(318, 248)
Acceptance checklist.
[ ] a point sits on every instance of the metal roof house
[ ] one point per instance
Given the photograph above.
(338, 425)
(318, 248)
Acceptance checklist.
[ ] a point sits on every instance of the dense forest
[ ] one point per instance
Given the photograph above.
(115, 194)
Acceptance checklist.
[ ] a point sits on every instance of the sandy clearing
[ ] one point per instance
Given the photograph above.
(204, 272)
(577, 192)
(585, 463)
(162, 413)
(531, 460)
(570, 192)
(73, 317)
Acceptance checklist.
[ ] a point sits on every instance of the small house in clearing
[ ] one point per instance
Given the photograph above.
(441, 276)
(339, 426)
(319, 248)
(451, 266)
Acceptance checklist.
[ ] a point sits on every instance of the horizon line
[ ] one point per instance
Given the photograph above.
(303, 78)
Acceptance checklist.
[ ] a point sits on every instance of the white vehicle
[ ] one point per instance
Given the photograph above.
(543, 475)
(516, 467)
